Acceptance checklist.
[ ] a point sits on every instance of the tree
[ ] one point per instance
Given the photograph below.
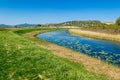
(39, 25)
(118, 21)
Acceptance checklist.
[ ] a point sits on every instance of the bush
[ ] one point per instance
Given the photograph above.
(118, 21)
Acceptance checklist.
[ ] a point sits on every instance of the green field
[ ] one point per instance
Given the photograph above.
(22, 59)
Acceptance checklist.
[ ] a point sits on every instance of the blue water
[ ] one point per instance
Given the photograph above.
(101, 49)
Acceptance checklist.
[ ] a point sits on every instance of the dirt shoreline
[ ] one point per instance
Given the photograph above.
(91, 64)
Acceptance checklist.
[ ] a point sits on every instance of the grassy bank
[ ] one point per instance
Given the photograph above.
(96, 35)
(108, 29)
(92, 65)
(22, 59)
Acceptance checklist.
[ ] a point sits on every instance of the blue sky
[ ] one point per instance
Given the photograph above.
(55, 11)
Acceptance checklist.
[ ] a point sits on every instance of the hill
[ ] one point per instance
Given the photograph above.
(89, 23)
(4, 25)
(26, 25)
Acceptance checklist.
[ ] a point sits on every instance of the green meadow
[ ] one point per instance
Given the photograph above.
(22, 59)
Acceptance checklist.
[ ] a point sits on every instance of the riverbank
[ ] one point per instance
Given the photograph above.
(96, 35)
(92, 65)
(24, 57)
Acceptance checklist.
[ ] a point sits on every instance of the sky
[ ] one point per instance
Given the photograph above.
(55, 11)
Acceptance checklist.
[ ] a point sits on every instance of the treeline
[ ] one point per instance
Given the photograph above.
(111, 28)
(83, 23)
(89, 23)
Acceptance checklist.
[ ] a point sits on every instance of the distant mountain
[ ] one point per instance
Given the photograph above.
(4, 25)
(89, 23)
(26, 25)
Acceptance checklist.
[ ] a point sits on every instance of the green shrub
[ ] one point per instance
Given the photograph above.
(118, 21)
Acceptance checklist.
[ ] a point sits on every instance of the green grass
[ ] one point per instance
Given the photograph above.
(22, 59)
(27, 30)
(3, 29)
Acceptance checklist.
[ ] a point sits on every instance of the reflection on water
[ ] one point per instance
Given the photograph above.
(104, 50)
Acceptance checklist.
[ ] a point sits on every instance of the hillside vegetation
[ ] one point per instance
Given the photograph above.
(78, 23)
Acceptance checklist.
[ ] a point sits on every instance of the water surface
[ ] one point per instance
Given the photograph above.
(101, 49)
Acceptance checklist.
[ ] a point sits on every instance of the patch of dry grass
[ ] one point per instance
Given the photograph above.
(96, 35)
